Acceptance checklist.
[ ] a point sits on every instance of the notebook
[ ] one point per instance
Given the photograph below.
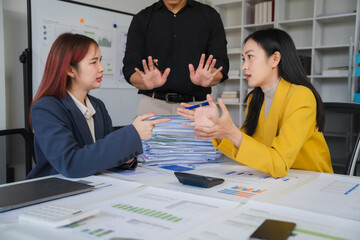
(32, 192)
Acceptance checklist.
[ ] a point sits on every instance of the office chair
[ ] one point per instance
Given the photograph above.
(342, 134)
(29, 147)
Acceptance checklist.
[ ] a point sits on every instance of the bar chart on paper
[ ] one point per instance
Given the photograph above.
(148, 212)
(159, 213)
(243, 183)
(81, 229)
(246, 192)
(97, 232)
(256, 175)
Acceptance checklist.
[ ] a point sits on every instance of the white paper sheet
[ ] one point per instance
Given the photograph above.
(150, 213)
(241, 183)
(140, 173)
(332, 194)
(242, 222)
(144, 172)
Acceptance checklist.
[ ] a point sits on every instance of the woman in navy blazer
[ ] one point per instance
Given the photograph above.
(73, 133)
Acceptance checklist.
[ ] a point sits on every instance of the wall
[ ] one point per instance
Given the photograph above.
(2, 100)
(2, 72)
(15, 42)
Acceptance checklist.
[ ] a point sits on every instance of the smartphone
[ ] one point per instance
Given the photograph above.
(198, 180)
(273, 230)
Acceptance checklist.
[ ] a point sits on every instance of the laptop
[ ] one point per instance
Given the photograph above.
(37, 191)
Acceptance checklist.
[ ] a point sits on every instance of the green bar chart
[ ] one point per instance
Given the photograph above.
(148, 212)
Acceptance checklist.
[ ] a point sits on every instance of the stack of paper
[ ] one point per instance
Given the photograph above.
(230, 97)
(172, 142)
(336, 71)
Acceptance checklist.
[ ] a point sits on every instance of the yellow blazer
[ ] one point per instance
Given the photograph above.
(287, 138)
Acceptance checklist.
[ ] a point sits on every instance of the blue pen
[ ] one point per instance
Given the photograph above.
(198, 105)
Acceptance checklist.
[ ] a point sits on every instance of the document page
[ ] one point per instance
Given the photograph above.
(242, 222)
(159, 213)
(140, 173)
(144, 172)
(241, 184)
(148, 213)
(325, 192)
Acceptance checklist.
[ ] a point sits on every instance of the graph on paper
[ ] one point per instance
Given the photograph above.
(148, 212)
(341, 187)
(98, 232)
(104, 42)
(258, 176)
(159, 213)
(242, 191)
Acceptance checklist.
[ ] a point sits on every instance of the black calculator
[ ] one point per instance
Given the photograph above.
(198, 180)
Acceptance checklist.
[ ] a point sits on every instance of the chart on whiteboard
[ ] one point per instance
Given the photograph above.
(111, 41)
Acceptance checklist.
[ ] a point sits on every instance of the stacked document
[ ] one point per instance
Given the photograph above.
(173, 143)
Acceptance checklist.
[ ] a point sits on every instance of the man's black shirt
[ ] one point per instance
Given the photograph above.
(176, 40)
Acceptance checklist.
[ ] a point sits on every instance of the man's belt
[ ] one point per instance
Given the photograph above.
(174, 97)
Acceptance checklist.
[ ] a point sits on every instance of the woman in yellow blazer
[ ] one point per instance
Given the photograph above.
(284, 115)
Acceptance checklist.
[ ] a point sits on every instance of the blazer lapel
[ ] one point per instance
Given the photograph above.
(272, 120)
(79, 120)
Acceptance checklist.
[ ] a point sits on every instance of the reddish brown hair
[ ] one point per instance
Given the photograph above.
(67, 50)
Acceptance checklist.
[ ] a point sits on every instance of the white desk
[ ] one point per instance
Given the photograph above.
(154, 205)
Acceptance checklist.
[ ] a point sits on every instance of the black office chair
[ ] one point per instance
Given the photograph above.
(29, 148)
(342, 134)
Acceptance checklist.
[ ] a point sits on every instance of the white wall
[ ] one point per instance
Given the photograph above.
(2, 72)
(15, 42)
(2, 100)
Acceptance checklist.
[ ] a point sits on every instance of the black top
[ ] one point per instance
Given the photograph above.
(176, 40)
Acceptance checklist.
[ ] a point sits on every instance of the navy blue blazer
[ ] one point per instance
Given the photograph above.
(63, 142)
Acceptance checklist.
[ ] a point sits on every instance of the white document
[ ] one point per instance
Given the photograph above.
(105, 187)
(145, 173)
(241, 184)
(150, 213)
(159, 213)
(331, 194)
(242, 222)
(140, 173)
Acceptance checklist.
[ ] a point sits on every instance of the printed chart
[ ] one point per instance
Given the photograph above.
(242, 191)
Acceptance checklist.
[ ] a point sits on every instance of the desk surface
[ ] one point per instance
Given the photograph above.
(149, 203)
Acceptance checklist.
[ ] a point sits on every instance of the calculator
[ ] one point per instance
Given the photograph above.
(56, 216)
(198, 180)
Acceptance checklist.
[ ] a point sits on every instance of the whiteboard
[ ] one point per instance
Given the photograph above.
(50, 18)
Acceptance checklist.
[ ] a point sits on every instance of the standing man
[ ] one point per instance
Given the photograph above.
(175, 52)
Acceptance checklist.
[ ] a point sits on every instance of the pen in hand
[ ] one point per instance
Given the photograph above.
(198, 105)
